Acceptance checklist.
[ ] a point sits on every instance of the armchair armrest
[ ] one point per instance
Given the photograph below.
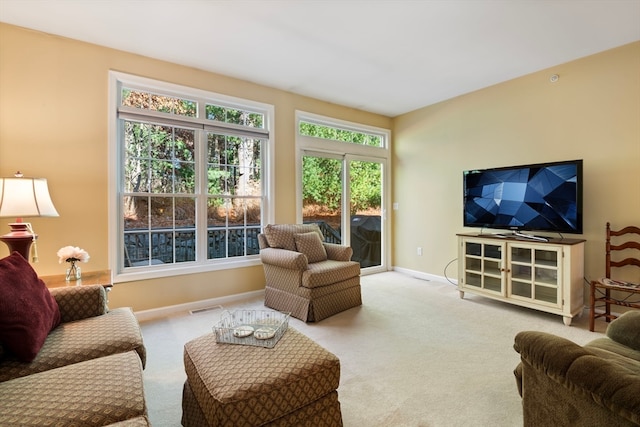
(581, 374)
(80, 302)
(284, 258)
(338, 252)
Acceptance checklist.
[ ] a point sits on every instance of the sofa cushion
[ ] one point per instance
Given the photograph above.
(615, 353)
(28, 311)
(281, 235)
(96, 392)
(626, 329)
(117, 331)
(311, 245)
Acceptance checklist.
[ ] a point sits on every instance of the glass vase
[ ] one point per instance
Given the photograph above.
(73, 272)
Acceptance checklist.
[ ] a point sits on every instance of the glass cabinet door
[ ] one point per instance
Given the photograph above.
(534, 274)
(483, 266)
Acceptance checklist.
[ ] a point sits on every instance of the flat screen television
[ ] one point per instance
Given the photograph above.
(544, 197)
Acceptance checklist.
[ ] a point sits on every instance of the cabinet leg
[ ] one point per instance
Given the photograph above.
(461, 293)
(567, 320)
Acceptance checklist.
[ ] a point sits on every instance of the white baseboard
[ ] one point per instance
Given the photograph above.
(193, 306)
(425, 276)
(434, 277)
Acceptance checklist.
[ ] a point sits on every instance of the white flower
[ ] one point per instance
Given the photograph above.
(72, 253)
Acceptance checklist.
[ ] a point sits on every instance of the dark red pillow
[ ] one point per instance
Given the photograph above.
(28, 311)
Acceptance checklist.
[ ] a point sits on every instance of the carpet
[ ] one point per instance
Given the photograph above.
(414, 354)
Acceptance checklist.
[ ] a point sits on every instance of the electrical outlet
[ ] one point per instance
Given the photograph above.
(419, 251)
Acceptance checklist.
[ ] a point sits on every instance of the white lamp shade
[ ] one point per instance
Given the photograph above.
(25, 197)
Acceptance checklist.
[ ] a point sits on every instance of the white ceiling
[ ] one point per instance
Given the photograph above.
(383, 56)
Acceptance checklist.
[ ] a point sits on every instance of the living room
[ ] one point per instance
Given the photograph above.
(53, 124)
(590, 113)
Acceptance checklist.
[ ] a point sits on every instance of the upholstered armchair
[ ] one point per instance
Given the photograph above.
(306, 276)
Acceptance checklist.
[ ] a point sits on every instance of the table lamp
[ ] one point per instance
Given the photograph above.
(23, 197)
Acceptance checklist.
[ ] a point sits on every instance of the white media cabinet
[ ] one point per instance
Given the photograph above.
(546, 276)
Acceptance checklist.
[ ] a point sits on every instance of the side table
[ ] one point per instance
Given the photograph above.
(101, 277)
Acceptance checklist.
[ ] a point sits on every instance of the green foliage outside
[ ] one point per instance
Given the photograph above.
(322, 177)
(161, 159)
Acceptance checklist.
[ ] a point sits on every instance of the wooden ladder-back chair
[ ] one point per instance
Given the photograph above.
(627, 239)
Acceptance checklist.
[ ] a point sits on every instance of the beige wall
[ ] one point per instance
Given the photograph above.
(53, 124)
(591, 113)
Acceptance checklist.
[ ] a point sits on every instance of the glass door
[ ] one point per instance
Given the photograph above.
(365, 206)
(343, 194)
(322, 199)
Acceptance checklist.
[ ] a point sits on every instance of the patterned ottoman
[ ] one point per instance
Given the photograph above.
(292, 384)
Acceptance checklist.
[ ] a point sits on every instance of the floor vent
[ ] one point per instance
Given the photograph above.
(205, 309)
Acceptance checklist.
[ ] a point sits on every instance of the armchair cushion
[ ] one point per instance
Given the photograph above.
(325, 273)
(311, 245)
(28, 311)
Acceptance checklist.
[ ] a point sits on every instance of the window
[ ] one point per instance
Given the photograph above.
(342, 134)
(191, 177)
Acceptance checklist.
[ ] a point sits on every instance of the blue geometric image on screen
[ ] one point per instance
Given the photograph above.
(538, 197)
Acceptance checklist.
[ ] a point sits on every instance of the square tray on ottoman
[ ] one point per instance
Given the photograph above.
(291, 384)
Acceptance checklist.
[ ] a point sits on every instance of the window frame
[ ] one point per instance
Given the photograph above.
(347, 151)
(116, 162)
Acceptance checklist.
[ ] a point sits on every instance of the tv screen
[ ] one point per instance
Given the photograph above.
(539, 197)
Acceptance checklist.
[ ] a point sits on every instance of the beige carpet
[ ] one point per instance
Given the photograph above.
(414, 354)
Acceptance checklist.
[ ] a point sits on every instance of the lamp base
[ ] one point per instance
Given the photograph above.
(19, 239)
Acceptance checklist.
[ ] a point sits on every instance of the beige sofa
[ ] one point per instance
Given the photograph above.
(564, 384)
(87, 373)
(305, 276)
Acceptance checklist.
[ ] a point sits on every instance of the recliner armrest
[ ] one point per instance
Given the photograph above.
(80, 302)
(338, 252)
(284, 258)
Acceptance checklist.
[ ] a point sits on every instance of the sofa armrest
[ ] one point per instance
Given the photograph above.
(284, 258)
(80, 302)
(578, 375)
(338, 252)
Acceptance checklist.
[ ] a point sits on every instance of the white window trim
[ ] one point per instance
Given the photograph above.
(116, 79)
